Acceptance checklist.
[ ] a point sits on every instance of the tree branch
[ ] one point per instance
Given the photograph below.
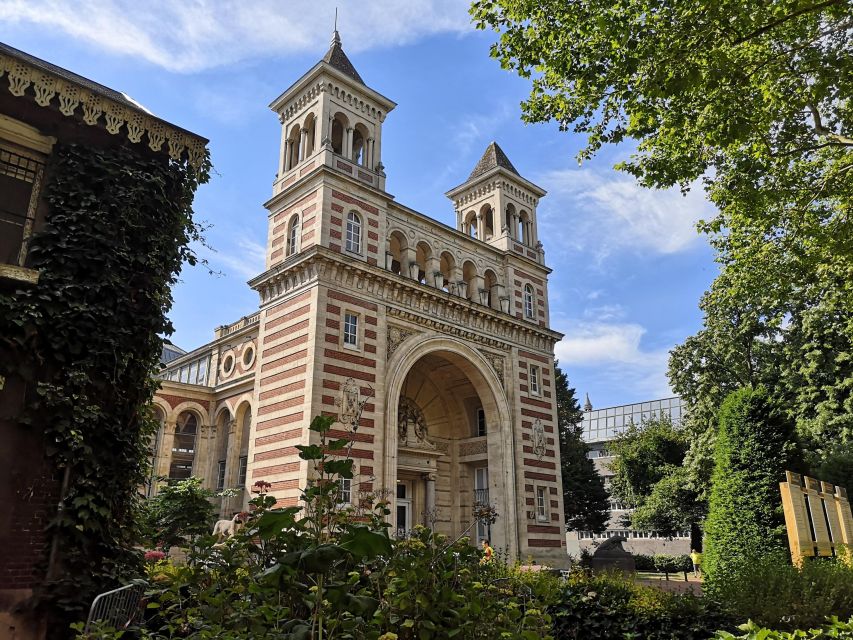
(772, 25)
(829, 133)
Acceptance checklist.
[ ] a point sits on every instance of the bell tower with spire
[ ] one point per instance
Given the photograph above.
(330, 114)
(496, 205)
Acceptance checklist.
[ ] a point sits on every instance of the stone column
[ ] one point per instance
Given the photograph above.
(429, 501)
(368, 154)
(283, 148)
(167, 443)
(481, 226)
(348, 144)
(303, 143)
(287, 144)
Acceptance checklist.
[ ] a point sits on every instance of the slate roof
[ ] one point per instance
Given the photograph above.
(493, 157)
(336, 57)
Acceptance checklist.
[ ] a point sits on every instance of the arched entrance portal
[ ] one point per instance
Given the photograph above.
(448, 440)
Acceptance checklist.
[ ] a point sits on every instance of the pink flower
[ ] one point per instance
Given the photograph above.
(154, 556)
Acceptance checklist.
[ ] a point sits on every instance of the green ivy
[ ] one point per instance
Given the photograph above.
(85, 340)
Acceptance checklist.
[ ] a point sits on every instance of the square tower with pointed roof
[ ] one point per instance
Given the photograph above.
(441, 335)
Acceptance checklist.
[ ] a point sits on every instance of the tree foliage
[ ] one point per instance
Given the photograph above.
(86, 338)
(585, 499)
(643, 455)
(180, 512)
(752, 98)
(754, 446)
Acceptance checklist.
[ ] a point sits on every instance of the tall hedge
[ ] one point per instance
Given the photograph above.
(754, 447)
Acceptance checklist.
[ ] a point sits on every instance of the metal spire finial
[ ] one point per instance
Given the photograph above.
(336, 38)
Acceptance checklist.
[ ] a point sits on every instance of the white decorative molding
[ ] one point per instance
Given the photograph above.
(94, 109)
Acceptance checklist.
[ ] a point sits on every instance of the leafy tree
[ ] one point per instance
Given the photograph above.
(754, 447)
(750, 97)
(585, 499)
(662, 471)
(179, 512)
(643, 455)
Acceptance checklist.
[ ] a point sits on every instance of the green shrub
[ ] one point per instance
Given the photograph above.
(644, 562)
(613, 607)
(834, 629)
(754, 446)
(335, 573)
(774, 593)
(672, 564)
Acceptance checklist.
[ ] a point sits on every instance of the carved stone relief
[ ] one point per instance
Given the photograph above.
(396, 335)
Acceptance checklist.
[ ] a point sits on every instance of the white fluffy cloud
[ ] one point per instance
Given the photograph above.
(603, 212)
(200, 34)
(612, 355)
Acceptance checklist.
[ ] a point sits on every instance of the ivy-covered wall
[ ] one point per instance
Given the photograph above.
(79, 348)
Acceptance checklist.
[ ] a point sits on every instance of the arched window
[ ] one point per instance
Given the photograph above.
(470, 226)
(353, 243)
(528, 302)
(396, 245)
(339, 128)
(223, 426)
(469, 275)
(293, 141)
(243, 467)
(510, 220)
(359, 144)
(310, 127)
(292, 236)
(447, 265)
(488, 222)
(490, 281)
(523, 228)
(183, 447)
(424, 253)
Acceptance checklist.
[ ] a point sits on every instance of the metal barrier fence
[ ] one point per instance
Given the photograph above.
(119, 607)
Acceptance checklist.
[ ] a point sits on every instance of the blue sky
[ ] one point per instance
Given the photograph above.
(628, 265)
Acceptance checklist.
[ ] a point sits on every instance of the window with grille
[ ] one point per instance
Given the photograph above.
(541, 504)
(534, 380)
(528, 302)
(481, 422)
(293, 236)
(20, 183)
(350, 330)
(353, 243)
(241, 475)
(345, 491)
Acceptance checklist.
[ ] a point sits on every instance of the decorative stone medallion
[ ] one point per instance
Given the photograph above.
(396, 335)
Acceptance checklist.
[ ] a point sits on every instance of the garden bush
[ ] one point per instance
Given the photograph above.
(613, 607)
(754, 447)
(644, 562)
(328, 571)
(834, 629)
(774, 593)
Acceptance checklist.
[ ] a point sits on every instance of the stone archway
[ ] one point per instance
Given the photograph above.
(445, 379)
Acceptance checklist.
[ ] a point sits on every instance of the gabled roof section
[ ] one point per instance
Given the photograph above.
(336, 57)
(493, 157)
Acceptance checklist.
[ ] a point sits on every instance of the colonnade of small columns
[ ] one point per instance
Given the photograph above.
(519, 226)
(474, 288)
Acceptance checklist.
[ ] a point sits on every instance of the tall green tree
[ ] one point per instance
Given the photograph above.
(661, 471)
(750, 98)
(754, 446)
(585, 499)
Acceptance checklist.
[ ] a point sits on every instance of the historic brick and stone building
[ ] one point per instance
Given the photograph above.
(441, 333)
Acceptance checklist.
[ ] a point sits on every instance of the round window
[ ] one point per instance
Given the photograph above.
(249, 356)
(228, 365)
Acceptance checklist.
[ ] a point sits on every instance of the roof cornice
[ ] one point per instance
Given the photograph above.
(76, 97)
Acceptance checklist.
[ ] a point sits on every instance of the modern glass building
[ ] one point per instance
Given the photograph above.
(601, 425)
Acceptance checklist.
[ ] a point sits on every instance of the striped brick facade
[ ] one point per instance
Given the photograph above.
(436, 321)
